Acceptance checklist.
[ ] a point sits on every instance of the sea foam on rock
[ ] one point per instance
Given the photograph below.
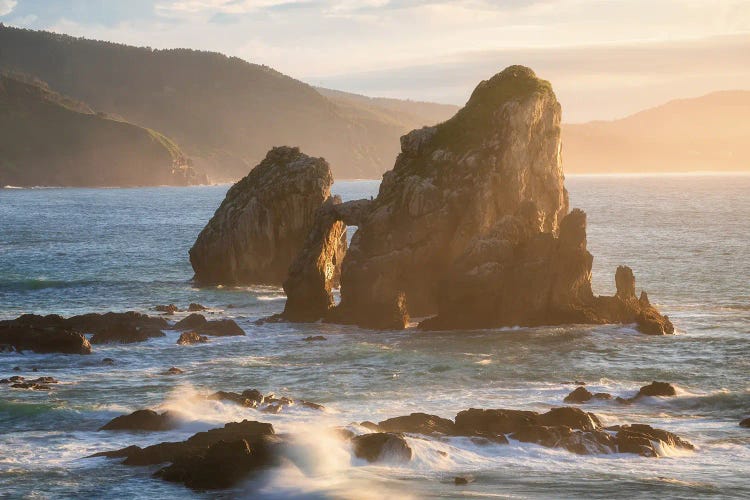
(263, 221)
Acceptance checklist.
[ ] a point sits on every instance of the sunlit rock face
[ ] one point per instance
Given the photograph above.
(263, 222)
(453, 185)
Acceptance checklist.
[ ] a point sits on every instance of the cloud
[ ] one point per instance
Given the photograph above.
(7, 6)
(592, 82)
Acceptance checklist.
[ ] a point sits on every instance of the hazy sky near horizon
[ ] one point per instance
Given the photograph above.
(605, 58)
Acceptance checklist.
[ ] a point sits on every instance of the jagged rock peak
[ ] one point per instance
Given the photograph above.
(262, 223)
(453, 183)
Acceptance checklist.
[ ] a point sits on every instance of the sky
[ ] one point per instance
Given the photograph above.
(605, 58)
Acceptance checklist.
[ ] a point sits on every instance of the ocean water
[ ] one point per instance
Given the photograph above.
(71, 251)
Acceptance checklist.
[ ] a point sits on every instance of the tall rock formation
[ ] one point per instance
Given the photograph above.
(452, 184)
(471, 226)
(264, 220)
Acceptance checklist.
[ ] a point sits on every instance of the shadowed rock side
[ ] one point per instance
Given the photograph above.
(262, 223)
(450, 183)
(315, 271)
(519, 275)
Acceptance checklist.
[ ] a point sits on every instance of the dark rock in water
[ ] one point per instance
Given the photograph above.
(381, 446)
(188, 338)
(233, 397)
(43, 334)
(222, 328)
(173, 371)
(108, 361)
(745, 423)
(569, 417)
(312, 406)
(221, 466)
(169, 309)
(124, 328)
(312, 338)
(191, 322)
(31, 385)
(142, 420)
(657, 389)
(640, 439)
(251, 431)
(460, 480)
(491, 422)
(580, 395)
(419, 423)
(194, 307)
(603, 395)
(217, 328)
(263, 221)
(16, 368)
(560, 436)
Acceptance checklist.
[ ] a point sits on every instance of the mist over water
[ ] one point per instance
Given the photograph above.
(71, 251)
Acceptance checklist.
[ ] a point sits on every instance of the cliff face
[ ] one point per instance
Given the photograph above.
(49, 139)
(451, 185)
(264, 220)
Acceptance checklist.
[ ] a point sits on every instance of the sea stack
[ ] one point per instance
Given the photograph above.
(472, 228)
(264, 220)
(497, 159)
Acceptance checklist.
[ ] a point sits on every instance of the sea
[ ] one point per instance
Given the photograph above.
(72, 251)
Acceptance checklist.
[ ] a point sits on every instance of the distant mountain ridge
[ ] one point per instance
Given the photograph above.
(708, 133)
(224, 112)
(52, 140)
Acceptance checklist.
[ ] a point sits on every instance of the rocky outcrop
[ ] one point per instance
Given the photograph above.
(315, 271)
(657, 389)
(216, 328)
(218, 458)
(471, 226)
(382, 446)
(450, 183)
(142, 420)
(42, 335)
(189, 338)
(419, 423)
(263, 221)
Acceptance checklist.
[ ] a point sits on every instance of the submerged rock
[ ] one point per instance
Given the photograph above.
(382, 446)
(745, 423)
(142, 420)
(263, 221)
(173, 371)
(314, 338)
(43, 334)
(194, 307)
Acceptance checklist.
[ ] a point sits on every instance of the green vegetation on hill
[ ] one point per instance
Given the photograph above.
(52, 140)
(225, 113)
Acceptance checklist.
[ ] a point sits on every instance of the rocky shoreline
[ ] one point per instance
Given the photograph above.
(223, 457)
